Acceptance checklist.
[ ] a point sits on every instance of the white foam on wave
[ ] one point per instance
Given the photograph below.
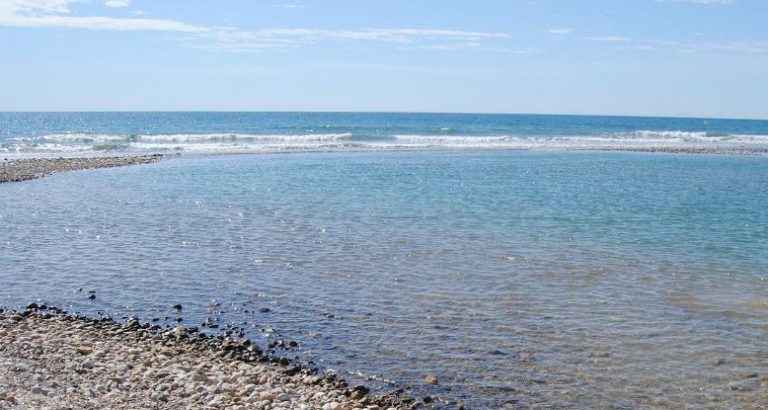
(189, 138)
(243, 143)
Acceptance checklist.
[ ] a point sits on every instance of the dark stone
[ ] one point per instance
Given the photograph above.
(294, 344)
(91, 296)
(428, 400)
(284, 362)
(32, 306)
(264, 310)
(361, 389)
(177, 307)
(293, 371)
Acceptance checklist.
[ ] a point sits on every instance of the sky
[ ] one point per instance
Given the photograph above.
(702, 58)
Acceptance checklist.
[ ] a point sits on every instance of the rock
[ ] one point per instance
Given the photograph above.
(526, 356)
(739, 387)
(431, 379)
(84, 350)
(40, 390)
(264, 309)
(358, 392)
(91, 296)
(599, 353)
(267, 396)
(177, 306)
(718, 362)
(283, 397)
(96, 363)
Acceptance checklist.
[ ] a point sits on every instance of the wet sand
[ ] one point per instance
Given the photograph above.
(15, 170)
(52, 360)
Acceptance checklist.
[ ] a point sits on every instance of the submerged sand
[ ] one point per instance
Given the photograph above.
(58, 361)
(15, 170)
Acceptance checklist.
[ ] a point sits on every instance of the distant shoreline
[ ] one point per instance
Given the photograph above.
(16, 170)
(28, 168)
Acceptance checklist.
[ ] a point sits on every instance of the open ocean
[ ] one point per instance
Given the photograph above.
(100, 133)
(487, 250)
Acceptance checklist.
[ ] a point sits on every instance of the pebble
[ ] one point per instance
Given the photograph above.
(95, 364)
(431, 379)
(31, 168)
(283, 397)
(39, 390)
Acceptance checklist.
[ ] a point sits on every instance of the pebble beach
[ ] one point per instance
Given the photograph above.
(49, 359)
(52, 360)
(15, 170)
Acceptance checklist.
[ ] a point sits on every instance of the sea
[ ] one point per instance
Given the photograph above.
(526, 261)
(223, 132)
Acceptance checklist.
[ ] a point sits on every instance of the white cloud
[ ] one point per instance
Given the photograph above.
(99, 23)
(117, 3)
(235, 40)
(742, 47)
(609, 39)
(56, 13)
(34, 6)
(559, 32)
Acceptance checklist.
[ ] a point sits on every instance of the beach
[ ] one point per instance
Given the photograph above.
(15, 170)
(622, 268)
(52, 360)
(49, 359)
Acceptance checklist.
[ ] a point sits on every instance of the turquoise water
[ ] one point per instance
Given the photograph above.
(99, 133)
(520, 279)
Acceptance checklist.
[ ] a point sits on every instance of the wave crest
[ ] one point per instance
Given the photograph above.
(241, 142)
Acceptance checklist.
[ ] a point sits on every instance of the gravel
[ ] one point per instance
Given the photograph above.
(15, 170)
(59, 361)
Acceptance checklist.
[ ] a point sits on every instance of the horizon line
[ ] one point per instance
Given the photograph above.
(688, 117)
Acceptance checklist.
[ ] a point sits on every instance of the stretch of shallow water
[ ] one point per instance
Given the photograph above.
(24, 134)
(520, 279)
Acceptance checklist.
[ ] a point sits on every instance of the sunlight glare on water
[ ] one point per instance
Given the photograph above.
(519, 279)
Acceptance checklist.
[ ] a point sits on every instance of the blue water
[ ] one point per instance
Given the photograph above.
(97, 133)
(522, 279)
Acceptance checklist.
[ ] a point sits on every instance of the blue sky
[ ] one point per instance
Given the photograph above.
(641, 57)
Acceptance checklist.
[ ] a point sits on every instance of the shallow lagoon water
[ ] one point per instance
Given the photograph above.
(519, 279)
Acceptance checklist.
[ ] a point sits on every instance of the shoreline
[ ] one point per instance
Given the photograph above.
(29, 168)
(24, 169)
(49, 358)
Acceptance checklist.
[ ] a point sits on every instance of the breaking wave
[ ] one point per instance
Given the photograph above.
(243, 143)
